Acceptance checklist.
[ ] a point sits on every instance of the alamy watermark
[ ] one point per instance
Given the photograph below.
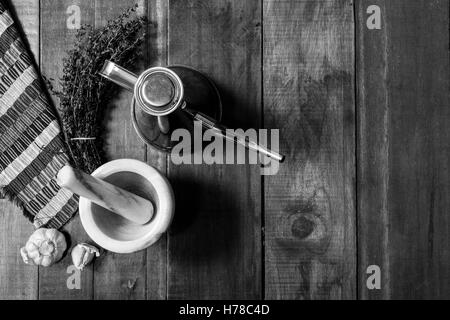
(189, 149)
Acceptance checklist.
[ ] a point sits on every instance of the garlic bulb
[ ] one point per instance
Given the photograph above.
(44, 247)
(82, 255)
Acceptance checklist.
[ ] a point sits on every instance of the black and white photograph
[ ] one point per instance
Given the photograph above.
(224, 150)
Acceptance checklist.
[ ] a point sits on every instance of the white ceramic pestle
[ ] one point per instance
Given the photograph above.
(106, 195)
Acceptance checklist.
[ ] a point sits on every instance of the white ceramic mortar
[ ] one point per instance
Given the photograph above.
(116, 233)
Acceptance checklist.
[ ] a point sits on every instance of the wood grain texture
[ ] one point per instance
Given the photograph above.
(310, 250)
(120, 276)
(156, 55)
(56, 39)
(215, 241)
(17, 280)
(403, 168)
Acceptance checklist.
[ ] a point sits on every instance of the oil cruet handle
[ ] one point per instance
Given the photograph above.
(118, 75)
(221, 131)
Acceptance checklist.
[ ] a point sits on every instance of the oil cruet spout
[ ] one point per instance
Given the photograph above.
(118, 75)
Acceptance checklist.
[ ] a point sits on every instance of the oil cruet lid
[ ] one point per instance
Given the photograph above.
(158, 92)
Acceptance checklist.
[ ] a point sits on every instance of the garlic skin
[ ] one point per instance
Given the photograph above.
(82, 255)
(44, 247)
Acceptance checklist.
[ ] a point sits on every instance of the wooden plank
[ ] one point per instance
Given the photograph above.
(120, 276)
(310, 250)
(156, 55)
(373, 146)
(17, 280)
(57, 36)
(215, 242)
(403, 170)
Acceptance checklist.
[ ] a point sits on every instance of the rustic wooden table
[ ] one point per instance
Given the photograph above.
(364, 121)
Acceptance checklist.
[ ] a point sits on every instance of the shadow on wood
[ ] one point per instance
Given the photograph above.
(212, 240)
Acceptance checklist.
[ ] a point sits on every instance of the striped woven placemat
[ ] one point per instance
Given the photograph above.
(32, 149)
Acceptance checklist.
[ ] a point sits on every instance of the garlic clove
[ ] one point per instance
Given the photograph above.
(82, 255)
(46, 261)
(30, 246)
(25, 257)
(33, 255)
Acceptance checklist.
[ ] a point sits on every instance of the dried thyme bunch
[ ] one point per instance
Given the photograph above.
(83, 93)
